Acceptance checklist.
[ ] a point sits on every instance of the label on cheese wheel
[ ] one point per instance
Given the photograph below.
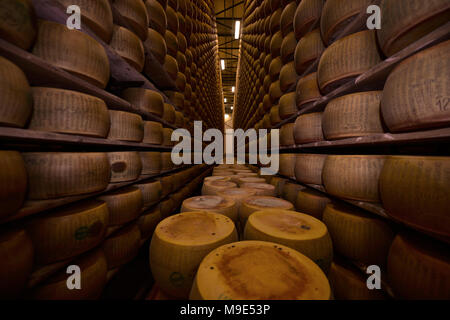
(125, 166)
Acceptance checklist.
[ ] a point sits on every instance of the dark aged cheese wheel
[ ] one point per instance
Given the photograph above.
(18, 22)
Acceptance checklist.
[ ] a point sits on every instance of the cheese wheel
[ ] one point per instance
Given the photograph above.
(179, 244)
(275, 94)
(93, 270)
(308, 49)
(16, 104)
(287, 105)
(179, 119)
(274, 115)
(13, 182)
(262, 189)
(72, 51)
(61, 174)
(123, 205)
(290, 191)
(122, 247)
(151, 163)
(148, 222)
(237, 195)
(278, 183)
(311, 202)
(211, 187)
(287, 164)
(153, 132)
(166, 161)
(353, 177)
(258, 203)
(288, 47)
(308, 128)
(135, 16)
(145, 100)
(70, 112)
(125, 166)
(353, 115)
(415, 93)
(346, 59)
(67, 232)
(217, 204)
(259, 270)
(157, 16)
(169, 113)
(414, 190)
(171, 67)
(419, 268)
(181, 80)
(295, 230)
(156, 45)
(243, 180)
(129, 47)
(307, 14)
(221, 178)
(288, 76)
(16, 254)
(182, 44)
(167, 207)
(287, 18)
(405, 22)
(287, 135)
(166, 185)
(125, 126)
(171, 43)
(358, 236)
(167, 136)
(275, 44)
(307, 90)
(308, 168)
(18, 23)
(172, 20)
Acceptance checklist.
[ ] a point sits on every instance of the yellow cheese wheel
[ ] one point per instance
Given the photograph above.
(166, 161)
(287, 135)
(93, 271)
(61, 174)
(308, 49)
(169, 113)
(153, 132)
(287, 105)
(346, 59)
(288, 76)
(262, 189)
(259, 270)
(16, 104)
(243, 180)
(125, 166)
(307, 90)
(278, 183)
(287, 164)
(308, 168)
(148, 221)
(419, 268)
(151, 162)
(67, 232)
(406, 21)
(123, 205)
(179, 244)
(290, 191)
(353, 177)
(414, 190)
(129, 47)
(358, 236)
(145, 100)
(157, 16)
(16, 254)
(71, 112)
(134, 13)
(308, 128)
(307, 14)
(73, 51)
(17, 23)
(311, 202)
(217, 204)
(416, 91)
(211, 187)
(156, 44)
(13, 182)
(125, 126)
(295, 230)
(122, 246)
(288, 47)
(353, 115)
(258, 203)
(237, 195)
(287, 18)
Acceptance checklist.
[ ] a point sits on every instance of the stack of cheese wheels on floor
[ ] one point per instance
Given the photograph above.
(122, 246)
(414, 190)
(258, 203)
(308, 168)
(125, 126)
(307, 90)
(350, 284)
(307, 14)
(129, 47)
(65, 111)
(93, 271)
(151, 192)
(308, 49)
(357, 235)
(134, 14)
(67, 232)
(287, 164)
(353, 177)
(123, 205)
(211, 187)
(145, 100)
(419, 268)
(20, 34)
(153, 132)
(16, 254)
(295, 230)
(261, 189)
(287, 135)
(179, 244)
(13, 182)
(278, 183)
(407, 21)
(287, 105)
(72, 51)
(166, 161)
(15, 105)
(290, 191)
(60, 174)
(151, 162)
(218, 204)
(148, 221)
(402, 108)
(243, 180)
(311, 202)
(238, 195)
(125, 166)
(259, 270)
(308, 128)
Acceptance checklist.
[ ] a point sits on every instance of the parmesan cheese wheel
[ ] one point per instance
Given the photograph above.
(129, 47)
(287, 18)
(166, 161)
(259, 270)
(61, 174)
(307, 90)
(357, 235)
(290, 191)
(125, 126)
(237, 195)
(145, 100)
(288, 47)
(211, 187)
(287, 135)
(278, 183)
(123, 205)
(179, 244)
(406, 21)
(73, 51)
(93, 270)
(148, 222)
(275, 44)
(243, 180)
(153, 132)
(274, 115)
(415, 92)
(156, 44)
(17, 23)
(308, 168)
(308, 49)
(171, 67)
(171, 43)
(179, 119)
(353, 115)
(134, 13)
(288, 76)
(157, 16)
(167, 207)
(353, 177)
(167, 136)
(308, 128)
(16, 104)
(67, 232)
(258, 203)
(16, 254)
(295, 230)
(221, 178)
(70, 112)
(275, 94)
(287, 164)
(125, 166)
(151, 163)
(414, 190)
(122, 247)
(419, 268)
(262, 189)
(169, 113)
(217, 204)
(346, 59)
(307, 14)
(172, 20)
(287, 105)
(311, 202)
(167, 185)
(13, 182)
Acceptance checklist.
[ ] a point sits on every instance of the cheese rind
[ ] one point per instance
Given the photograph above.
(125, 166)
(123, 205)
(13, 182)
